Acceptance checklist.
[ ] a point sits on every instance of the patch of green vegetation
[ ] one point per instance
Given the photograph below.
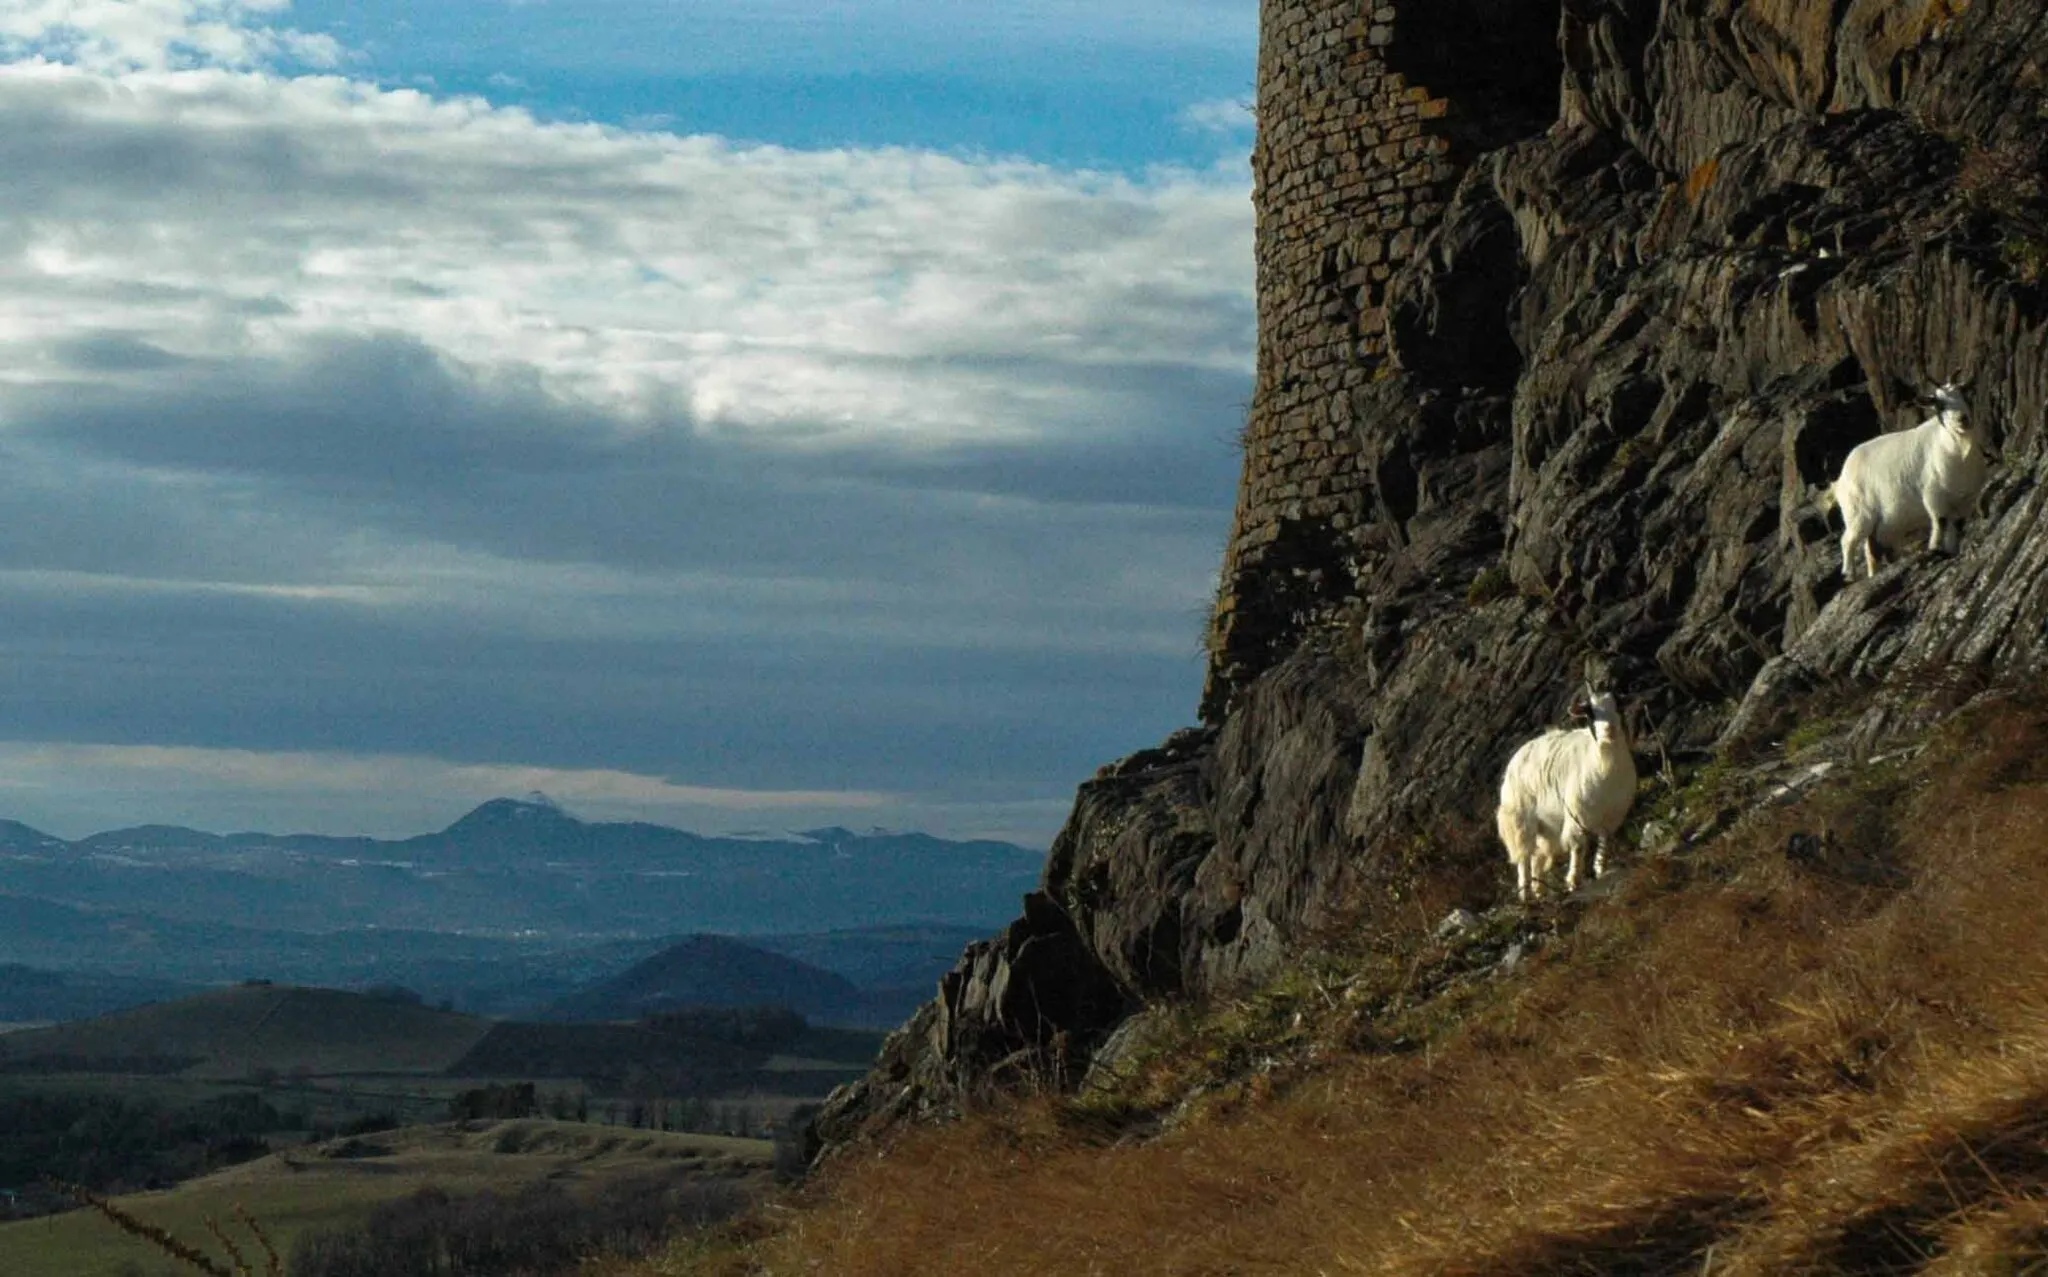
(1638, 451)
(1693, 791)
(1492, 583)
(2026, 256)
(1381, 998)
(1812, 732)
(1188, 1050)
(1714, 779)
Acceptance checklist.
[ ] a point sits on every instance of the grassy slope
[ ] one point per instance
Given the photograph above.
(1740, 1063)
(289, 1193)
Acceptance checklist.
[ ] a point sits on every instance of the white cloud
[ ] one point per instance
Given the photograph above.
(1232, 118)
(122, 35)
(840, 295)
(28, 765)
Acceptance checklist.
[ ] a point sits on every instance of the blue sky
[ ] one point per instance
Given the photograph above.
(1072, 84)
(736, 416)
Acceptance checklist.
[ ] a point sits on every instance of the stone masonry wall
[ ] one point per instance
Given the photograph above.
(1355, 163)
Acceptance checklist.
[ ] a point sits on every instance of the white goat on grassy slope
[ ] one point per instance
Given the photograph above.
(1896, 485)
(1563, 789)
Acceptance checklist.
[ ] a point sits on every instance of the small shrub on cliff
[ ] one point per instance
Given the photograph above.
(1491, 583)
(2008, 176)
(1640, 450)
(2026, 256)
(2008, 181)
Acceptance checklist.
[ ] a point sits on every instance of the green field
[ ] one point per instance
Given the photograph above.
(334, 1184)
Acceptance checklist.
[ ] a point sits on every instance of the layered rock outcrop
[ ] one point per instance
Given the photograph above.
(1567, 315)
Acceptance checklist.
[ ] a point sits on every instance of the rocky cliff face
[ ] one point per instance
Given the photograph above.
(1562, 336)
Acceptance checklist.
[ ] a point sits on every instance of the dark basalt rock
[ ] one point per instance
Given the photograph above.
(1022, 1009)
(1619, 369)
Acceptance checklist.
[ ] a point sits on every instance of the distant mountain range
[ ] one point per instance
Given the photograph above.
(526, 868)
(518, 908)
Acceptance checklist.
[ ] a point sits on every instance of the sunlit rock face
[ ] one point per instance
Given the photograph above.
(1568, 316)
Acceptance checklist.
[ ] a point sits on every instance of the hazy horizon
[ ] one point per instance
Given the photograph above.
(435, 825)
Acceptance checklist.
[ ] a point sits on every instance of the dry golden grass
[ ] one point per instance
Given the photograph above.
(1741, 1064)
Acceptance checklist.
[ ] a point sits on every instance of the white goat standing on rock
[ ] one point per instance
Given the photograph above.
(1563, 789)
(1894, 486)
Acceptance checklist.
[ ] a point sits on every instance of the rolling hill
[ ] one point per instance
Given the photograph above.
(30, 994)
(250, 1030)
(337, 1184)
(712, 971)
(910, 955)
(263, 1033)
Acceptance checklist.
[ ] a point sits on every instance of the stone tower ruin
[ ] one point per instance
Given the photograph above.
(1370, 114)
